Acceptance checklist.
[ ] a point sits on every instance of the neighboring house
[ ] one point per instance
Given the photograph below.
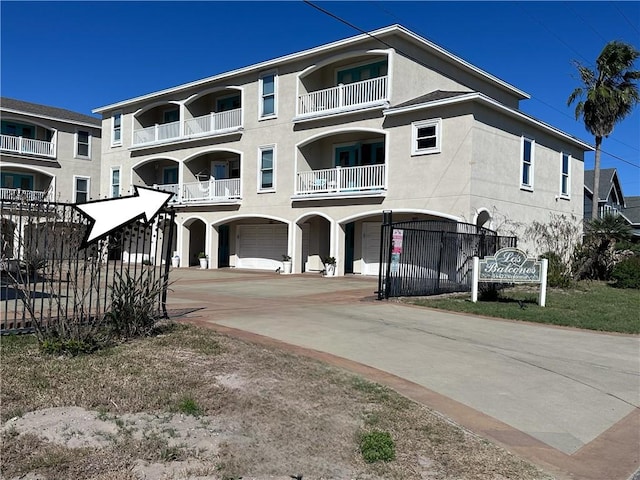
(610, 199)
(631, 213)
(48, 153)
(300, 155)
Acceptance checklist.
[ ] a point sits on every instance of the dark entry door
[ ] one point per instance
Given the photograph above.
(223, 246)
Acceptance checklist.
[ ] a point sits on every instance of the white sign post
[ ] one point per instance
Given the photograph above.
(510, 265)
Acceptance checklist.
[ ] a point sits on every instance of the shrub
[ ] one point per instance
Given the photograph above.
(134, 303)
(377, 446)
(558, 274)
(626, 273)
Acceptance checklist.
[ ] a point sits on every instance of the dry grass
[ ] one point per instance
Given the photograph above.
(274, 414)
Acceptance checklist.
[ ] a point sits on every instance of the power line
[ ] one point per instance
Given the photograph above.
(355, 27)
(625, 17)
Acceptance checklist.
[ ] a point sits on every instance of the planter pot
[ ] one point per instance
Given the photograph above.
(329, 270)
(203, 263)
(286, 267)
(175, 261)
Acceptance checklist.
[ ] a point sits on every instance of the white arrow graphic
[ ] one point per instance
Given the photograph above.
(109, 215)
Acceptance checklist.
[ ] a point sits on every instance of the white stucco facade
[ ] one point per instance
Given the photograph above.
(300, 155)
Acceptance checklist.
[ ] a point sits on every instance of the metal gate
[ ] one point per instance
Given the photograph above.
(429, 257)
(46, 275)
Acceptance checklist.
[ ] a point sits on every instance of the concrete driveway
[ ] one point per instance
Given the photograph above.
(565, 399)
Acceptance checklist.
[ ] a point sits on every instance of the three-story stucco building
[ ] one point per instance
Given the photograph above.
(300, 155)
(48, 153)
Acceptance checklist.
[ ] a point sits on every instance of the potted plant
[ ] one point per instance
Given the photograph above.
(286, 263)
(203, 260)
(329, 266)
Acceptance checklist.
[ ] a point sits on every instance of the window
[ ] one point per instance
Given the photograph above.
(83, 144)
(115, 182)
(564, 175)
(170, 116)
(266, 173)
(362, 72)
(426, 137)
(268, 95)
(81, 189)
(526, 170)
(116, 132)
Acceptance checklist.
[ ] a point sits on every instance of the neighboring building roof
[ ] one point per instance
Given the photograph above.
(375, 34)
(631, 211)
(44, 111)
(608, 178)
(438, 98)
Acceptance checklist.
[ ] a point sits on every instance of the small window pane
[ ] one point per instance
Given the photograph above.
(527, 151)
(268, 106)
(525, 174)
(267, 179)
(268, 85)
(267, 159)
(427, 131)
(426, 143)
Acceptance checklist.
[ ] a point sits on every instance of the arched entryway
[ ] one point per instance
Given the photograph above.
(314, 230)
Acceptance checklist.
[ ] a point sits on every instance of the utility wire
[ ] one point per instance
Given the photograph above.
(355, 27)
(625, 17)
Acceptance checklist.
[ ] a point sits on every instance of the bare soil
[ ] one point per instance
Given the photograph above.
(192, 404)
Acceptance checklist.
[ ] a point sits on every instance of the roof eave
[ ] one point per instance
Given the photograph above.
(479, 97)
(313, 51)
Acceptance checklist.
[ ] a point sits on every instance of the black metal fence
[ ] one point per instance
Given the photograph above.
(45, 275)
(429, 257)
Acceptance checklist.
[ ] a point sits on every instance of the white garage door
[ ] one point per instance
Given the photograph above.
(262, 246)
(370, 248)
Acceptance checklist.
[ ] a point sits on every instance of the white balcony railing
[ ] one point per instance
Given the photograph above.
(214, 122)
(28, 146)
(26, 195)
(343, 96)
(210, 124)
(203, 192)
(350, 180)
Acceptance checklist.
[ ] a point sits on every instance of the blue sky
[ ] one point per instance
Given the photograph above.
(84, 55)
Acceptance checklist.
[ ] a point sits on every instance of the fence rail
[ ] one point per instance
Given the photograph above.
(45, 275)
(432, 257)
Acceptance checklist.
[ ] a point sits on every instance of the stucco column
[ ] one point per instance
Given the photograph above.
(212, 245)
(337, 246)
(182, 244)
(295, 241)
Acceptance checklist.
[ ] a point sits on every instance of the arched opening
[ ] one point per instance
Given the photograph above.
(161, 173)
(315, 242)
(212, 177)
(483, 219)
(196, 237)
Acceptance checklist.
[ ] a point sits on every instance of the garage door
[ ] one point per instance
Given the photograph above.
(261, 246)
(370, 248)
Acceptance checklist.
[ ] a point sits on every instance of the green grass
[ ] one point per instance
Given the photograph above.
(589, 305)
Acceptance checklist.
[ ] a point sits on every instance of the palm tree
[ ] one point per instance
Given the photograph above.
(610, 94)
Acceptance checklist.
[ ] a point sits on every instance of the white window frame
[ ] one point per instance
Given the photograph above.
(531, 163)
(262, 149)
(111, 184)
(566, 174)
(75, 187)
(76, 153)
(261, 95)
(114, 142)
(415, 126)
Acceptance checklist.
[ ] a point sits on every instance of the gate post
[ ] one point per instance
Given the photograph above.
(387, 220)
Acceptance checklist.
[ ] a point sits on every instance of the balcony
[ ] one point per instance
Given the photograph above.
(343, 98)
(210, 124)
(27, 146)
(211, 191)
(13, 194)
(339, 181)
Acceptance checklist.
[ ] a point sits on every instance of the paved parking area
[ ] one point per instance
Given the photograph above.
(565, 399)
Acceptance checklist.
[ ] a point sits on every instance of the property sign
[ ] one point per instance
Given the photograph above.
(396, 248)
(510, 265)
